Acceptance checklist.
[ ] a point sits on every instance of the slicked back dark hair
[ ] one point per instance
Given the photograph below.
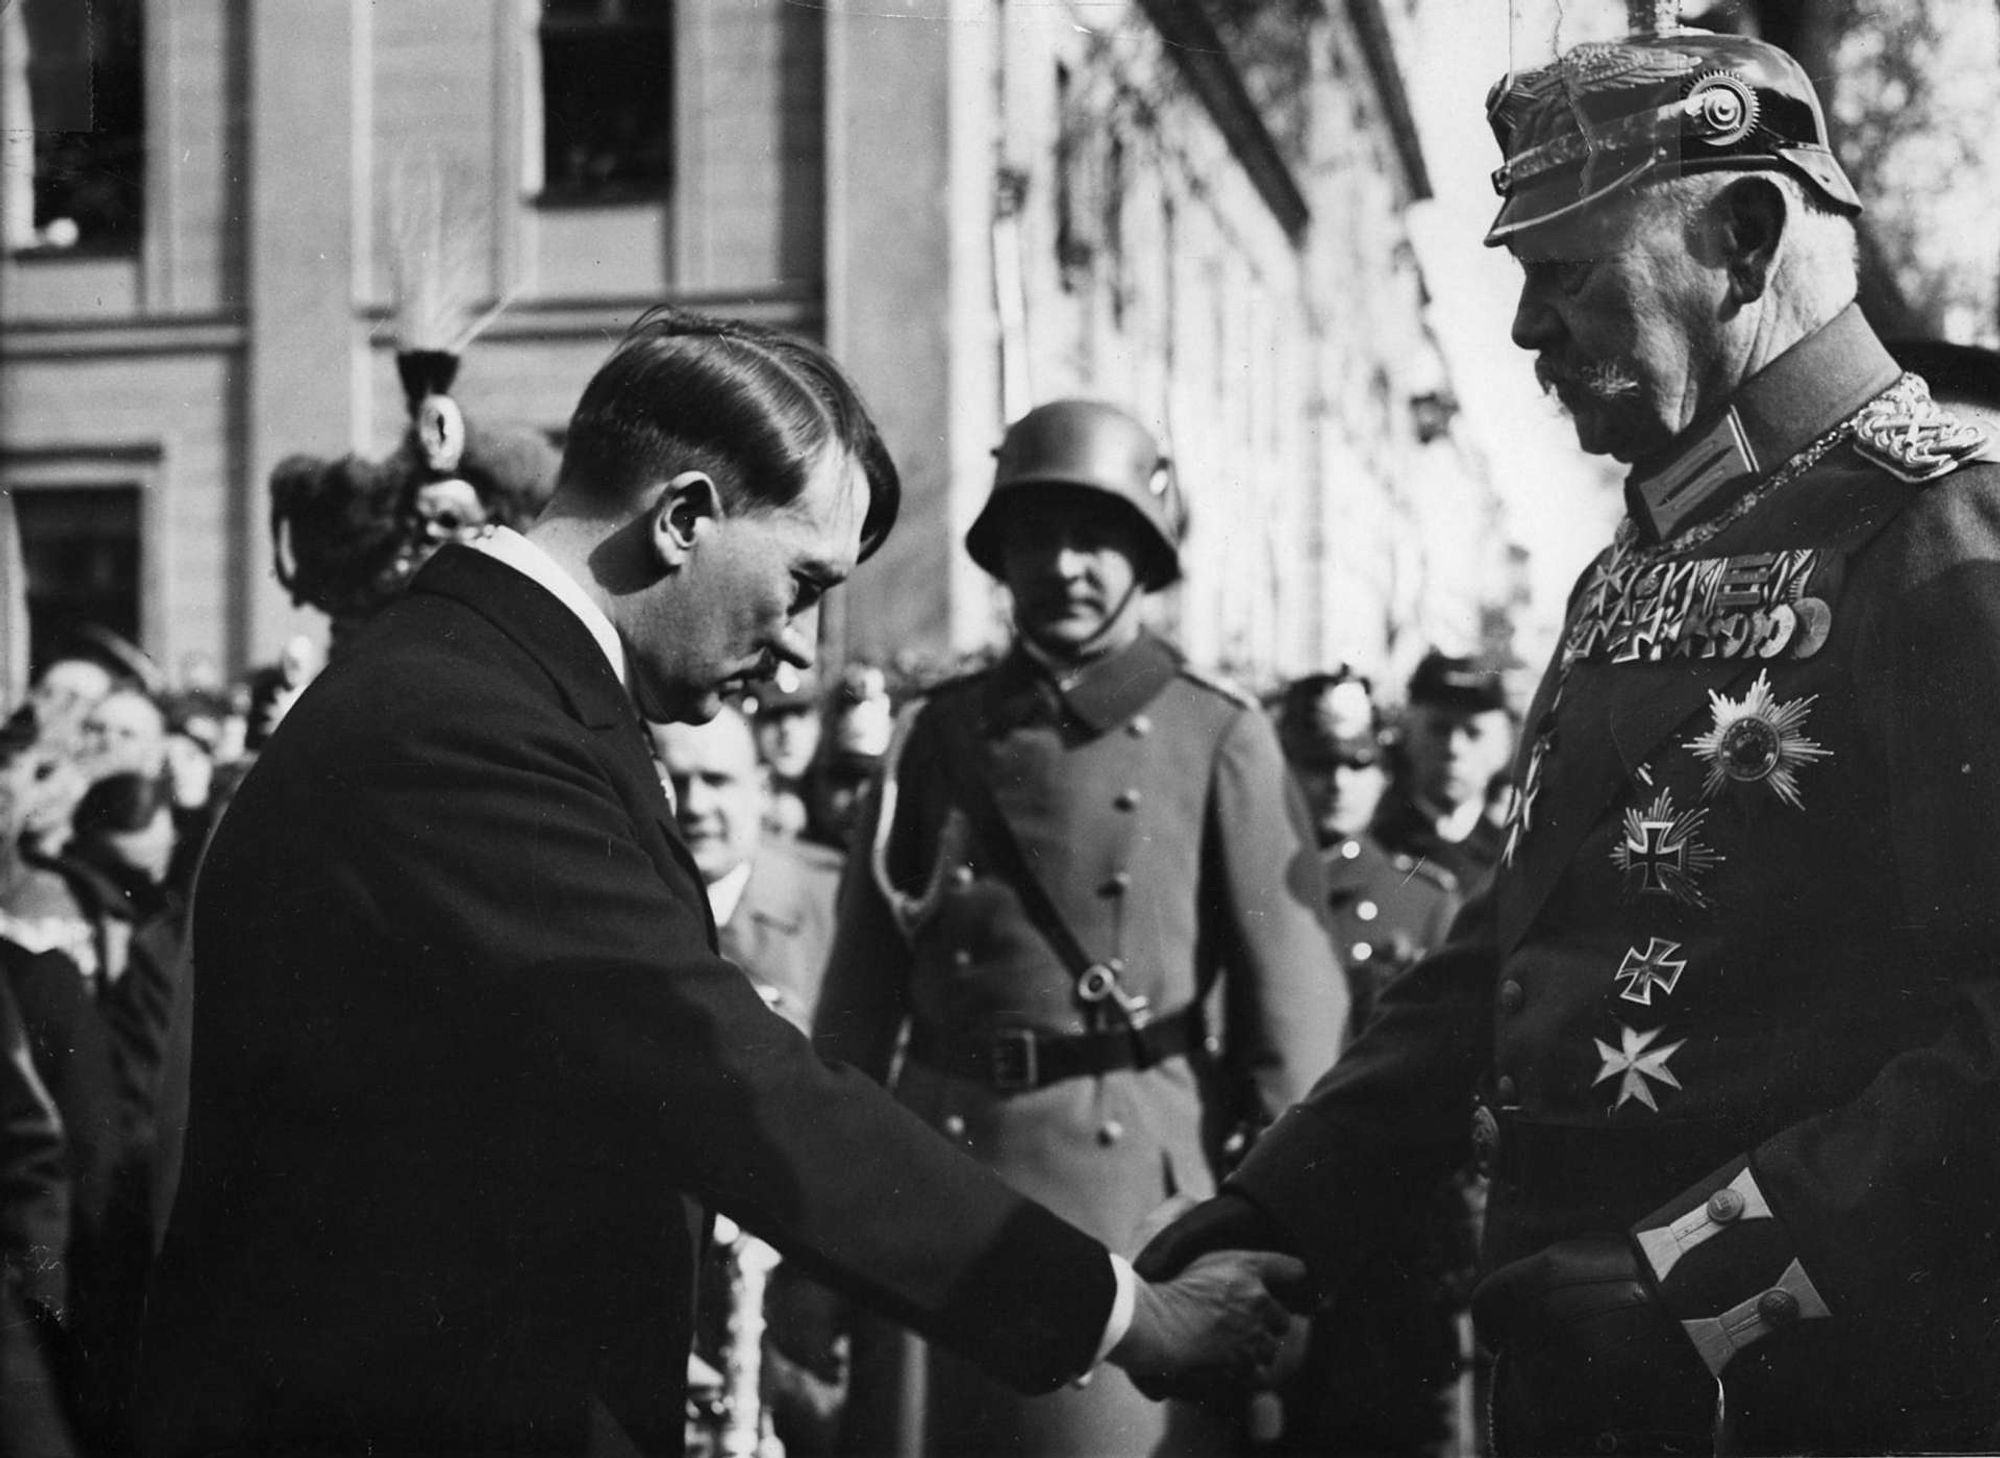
(754, 408)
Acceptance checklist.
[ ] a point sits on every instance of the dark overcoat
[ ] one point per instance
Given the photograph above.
(468, 1077)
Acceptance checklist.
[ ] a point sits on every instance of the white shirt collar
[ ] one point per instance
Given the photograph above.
(725, 894)
(504, 544)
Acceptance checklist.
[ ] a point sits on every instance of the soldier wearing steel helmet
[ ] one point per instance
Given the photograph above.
(1731, 1002)
(1088, 891)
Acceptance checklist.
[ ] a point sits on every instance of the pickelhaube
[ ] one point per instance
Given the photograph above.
(1328, 719)
(1661, 102)
(1085, 445)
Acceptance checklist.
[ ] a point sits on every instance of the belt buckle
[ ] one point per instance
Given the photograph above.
(1013, 1059)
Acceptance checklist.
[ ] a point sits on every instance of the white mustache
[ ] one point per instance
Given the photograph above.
(1603, 381)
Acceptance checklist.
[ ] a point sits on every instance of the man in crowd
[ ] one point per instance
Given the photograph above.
(1732, 999)
(1457, 737)
(468, 1075)
(786, 715)
(1073, 858)
(772, 897)
(1389, 907)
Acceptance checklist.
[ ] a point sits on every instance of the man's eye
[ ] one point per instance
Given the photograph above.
(1566, 275)
(805, 592)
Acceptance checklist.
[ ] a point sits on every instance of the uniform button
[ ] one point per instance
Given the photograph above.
(1111, 1133)
(1139, 727)
(954, 1125)
(1507, 1091)
(961, 958)
(1778, 1307)
(1119, 884)
(1367, 910)
(961, 875)
(1127, 799)
(1349, 849)
(1512, 995)
(1724, 1206)
(1212, 1045)
(1360, 952)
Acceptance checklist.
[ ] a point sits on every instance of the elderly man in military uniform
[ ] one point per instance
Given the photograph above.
(1733, 998)
(1088, 890)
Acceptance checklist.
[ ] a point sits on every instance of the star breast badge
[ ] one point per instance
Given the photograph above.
(1662, 853)
(1637, 1065)
(1758, 740)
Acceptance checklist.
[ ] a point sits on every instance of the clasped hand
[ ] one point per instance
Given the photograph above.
(1224, 1320)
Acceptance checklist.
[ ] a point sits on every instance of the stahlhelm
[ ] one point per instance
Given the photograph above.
(1087, 446)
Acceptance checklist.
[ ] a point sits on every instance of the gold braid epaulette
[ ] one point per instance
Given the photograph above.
(1915, 439)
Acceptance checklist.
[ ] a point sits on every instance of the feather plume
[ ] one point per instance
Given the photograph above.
(438, 265)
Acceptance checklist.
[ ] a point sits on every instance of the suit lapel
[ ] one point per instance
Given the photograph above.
(581, 677)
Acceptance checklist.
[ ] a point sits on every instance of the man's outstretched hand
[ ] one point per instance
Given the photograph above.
(1222, 1322)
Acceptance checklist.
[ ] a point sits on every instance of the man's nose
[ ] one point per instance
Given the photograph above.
(1536, 325)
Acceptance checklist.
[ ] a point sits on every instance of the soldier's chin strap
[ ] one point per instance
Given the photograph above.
(1108, 638)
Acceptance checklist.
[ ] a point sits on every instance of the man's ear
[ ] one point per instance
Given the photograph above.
(1753, 213)
(685, 510)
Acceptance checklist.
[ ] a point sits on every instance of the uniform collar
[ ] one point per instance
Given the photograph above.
(1812, 386)
(1100, 694)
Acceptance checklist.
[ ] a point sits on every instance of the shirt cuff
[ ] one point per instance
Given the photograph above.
(1123, 1302)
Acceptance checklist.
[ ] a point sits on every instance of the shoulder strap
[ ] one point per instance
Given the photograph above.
(973, 794)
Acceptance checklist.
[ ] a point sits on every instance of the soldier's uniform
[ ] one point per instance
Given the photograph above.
(1735, 990)
(1388, 908)
(1152, 808)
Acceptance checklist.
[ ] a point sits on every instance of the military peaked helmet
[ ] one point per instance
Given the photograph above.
(1608, 116)
(1083, 445)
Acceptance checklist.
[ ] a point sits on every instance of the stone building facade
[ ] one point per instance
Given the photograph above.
(979, 204)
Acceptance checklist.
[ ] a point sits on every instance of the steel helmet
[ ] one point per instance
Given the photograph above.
(1084, 445)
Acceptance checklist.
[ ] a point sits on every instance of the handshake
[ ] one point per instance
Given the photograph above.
(1216, 1305)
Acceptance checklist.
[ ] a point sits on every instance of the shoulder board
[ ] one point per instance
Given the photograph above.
(1915, 439)
(1216, 684)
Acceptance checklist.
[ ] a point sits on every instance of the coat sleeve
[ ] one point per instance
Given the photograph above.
(1286, 995)
(1339, 1170)
(864, 1000)
(1882, 1201)
(500, 852)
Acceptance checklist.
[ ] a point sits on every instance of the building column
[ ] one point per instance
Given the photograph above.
(309, 225)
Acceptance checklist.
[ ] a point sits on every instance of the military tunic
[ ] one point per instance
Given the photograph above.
(1156, 812)
(1388, 908)
(1736, 991)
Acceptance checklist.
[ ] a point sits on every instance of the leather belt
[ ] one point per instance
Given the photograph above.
(1014, 1060)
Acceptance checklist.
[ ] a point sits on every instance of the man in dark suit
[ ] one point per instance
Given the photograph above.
(468, 1075)
(1731, 1001)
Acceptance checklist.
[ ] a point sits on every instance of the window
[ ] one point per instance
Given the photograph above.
(80, 546)
(85, 86)
(607, 99)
